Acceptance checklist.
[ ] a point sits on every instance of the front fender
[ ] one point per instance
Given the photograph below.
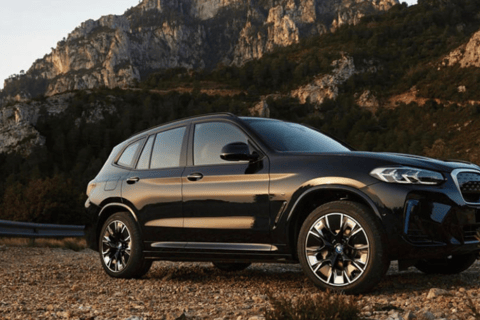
(303, 192)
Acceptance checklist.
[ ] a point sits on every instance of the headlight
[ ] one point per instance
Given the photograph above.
(407, 175)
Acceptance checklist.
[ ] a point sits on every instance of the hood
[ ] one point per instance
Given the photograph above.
(415, 161)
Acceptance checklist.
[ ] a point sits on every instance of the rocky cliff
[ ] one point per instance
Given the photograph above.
(158, 34)
(326, 86)
(17, 122)
(467, 55)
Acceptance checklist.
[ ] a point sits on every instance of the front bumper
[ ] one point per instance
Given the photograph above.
(426, 222)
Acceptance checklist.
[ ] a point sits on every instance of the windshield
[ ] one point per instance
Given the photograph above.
(293, 137)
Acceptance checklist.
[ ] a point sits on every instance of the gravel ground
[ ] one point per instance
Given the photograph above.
(45, 283)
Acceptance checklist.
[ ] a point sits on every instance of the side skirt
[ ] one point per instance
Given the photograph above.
(223, 257)
(215, 251)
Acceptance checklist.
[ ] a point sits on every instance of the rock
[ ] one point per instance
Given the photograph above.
(261, 109)
(64, 314)
(409, 315)
(368, 100)
(467, 55)
(168, 276)
(428, 316)
(326, 87)
(17, 122)
(395, 316)
(435, 292)
(114, 51)
(3, 248)
(177, 316)
(257, 318)
(260, 299)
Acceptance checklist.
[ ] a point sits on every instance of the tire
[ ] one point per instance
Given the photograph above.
(120, 248)
(143, 270)
(452, 265)
(353, 260)
(231, 267)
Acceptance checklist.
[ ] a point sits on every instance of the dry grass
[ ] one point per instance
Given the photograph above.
(475, 309)
(75, 244)
(321, 306)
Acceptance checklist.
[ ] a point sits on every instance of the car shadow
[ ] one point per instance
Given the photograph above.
(292, 277)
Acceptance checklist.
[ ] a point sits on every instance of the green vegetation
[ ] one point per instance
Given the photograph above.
(49, 185)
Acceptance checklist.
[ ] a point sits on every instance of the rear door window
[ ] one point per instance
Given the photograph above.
(167, 149)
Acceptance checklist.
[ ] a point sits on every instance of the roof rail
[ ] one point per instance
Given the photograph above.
(186, 118)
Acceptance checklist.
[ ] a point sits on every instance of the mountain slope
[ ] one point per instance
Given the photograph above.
(160, 34)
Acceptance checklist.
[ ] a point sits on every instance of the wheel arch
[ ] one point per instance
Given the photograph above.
(317, 196)
(107, 211)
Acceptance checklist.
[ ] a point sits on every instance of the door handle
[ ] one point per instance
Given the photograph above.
(133, 180)
(195, 176)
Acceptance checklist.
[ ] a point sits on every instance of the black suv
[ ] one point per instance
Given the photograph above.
(235, 190)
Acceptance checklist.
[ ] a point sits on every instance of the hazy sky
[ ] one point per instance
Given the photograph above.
(30, 28)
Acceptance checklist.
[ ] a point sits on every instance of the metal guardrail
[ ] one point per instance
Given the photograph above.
(39, 230)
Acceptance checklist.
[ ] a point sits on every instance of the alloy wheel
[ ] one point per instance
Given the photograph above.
(337, 249)
(116, 246)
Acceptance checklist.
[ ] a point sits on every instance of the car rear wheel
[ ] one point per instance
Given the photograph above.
(120, 247)
(231, 267)
(450, 265)
(342, 247)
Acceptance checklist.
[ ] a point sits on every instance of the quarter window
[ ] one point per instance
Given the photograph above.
(127, 158)
(209, 140)
(167, 149)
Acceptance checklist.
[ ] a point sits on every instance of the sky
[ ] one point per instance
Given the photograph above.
(30, 28)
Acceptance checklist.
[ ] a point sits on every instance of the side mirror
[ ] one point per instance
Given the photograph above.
(237, 151)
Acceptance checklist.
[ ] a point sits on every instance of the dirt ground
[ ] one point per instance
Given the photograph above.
(55, 283)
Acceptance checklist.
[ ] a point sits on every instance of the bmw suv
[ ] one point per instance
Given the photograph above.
(236, 190)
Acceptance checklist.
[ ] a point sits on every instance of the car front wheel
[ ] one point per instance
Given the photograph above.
(120, 247)
(342, 247)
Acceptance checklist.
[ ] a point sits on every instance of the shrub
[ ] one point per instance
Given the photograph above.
(321, 306)
(50, 200)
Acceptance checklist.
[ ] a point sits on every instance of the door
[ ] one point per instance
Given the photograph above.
(154, 188)
(226, 204)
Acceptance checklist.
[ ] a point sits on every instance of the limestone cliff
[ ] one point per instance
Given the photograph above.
(326, 86)
(119, 50)
(17, 122)
(467, 55)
